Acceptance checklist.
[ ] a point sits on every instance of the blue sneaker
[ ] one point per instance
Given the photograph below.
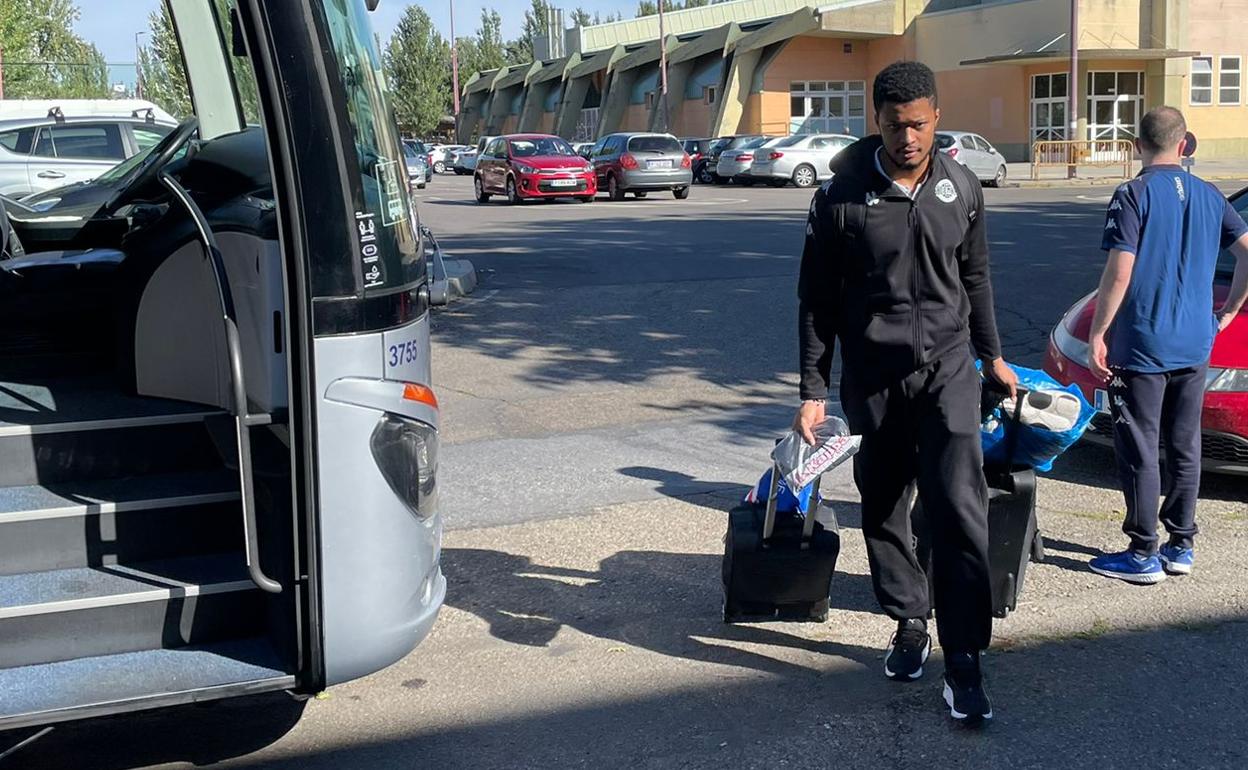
(1129, 567)
(1176, 560)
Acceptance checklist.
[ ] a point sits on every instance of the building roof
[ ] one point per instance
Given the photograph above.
(1037, 57)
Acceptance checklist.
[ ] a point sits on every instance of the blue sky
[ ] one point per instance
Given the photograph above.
(113, 31)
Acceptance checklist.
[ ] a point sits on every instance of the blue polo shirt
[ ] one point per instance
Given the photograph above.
(1175, 224)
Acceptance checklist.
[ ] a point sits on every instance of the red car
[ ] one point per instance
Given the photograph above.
(1224, 421)
(533, 167)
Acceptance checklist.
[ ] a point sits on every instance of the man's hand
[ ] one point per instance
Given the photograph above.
(1224, 320)
(1000, 372)
(810, 414)
(1098, 357)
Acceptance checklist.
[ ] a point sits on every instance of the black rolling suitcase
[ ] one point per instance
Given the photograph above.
(779, 566)
(1013, 536)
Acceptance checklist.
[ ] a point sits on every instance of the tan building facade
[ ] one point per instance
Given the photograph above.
(781, 67)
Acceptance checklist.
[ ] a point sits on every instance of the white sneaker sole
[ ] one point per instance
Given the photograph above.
(927, 651)
(1148, 578)
(1174, 568)
(958, 715)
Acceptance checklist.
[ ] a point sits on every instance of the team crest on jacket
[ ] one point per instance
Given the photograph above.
(946, 191)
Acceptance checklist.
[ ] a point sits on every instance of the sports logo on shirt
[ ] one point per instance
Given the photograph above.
(946, 192)
(1178, 187)
(1111, 224)
(1115, 205)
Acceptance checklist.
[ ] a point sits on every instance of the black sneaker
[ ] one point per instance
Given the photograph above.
(908, 651)
(964, 688)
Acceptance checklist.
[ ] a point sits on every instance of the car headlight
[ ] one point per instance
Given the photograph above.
(1227, 380)
(525, 169)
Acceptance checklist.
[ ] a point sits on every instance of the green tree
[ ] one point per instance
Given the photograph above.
(647, 8)
(581, 18)
(416, 65)
(44, 57)
(160, 67)
(490, 50)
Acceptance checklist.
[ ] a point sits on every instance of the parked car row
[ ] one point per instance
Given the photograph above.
(524, 167)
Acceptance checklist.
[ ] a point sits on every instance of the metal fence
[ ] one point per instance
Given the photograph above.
(1071, 154)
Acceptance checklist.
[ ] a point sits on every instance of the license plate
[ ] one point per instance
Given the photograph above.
(563, 183)
(1100, 399)
(658, 164)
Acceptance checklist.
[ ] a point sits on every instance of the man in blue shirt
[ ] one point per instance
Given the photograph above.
(1151, 338)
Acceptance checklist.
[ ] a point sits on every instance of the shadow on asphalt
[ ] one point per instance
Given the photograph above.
(201, 734)
(665, 602)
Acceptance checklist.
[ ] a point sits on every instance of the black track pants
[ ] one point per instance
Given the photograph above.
(929, 435)
(1148, 409)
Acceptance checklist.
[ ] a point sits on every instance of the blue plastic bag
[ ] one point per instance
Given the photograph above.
(786, 501)
(1036, 447)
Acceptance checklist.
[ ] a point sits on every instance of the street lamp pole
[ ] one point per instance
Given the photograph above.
(455, 70)
(138, 69)
(1072, 85)
(662, 71)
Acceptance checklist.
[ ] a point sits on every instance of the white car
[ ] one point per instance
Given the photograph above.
(60, 148)
(803, 159)
(443, 156)
(974, 152)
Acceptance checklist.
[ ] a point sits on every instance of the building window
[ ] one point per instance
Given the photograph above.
(1115, 104)
(1049, 99)
(828, 107)
(710, 94)
(1202, 80)
(1228, 79)
(649, 100)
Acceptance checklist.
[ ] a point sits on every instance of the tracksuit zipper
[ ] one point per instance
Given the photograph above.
(917, 325)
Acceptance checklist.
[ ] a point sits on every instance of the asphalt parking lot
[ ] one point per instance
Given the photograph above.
(608, 392)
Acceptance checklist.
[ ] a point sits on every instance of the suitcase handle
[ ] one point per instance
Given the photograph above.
(769, 518)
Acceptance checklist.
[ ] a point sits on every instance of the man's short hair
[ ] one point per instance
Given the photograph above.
(902, 82)
(1161, 129)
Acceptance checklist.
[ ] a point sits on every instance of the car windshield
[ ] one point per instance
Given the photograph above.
(529, 148)
(755, 143)
(945, 141)
(654, 144)
(1226, 260)
(719, 145)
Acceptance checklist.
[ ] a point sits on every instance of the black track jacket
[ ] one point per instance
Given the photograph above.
(901, 282)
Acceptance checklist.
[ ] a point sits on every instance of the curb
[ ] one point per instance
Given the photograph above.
(1037, 184)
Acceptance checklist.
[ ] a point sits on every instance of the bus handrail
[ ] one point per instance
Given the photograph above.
(242, 419)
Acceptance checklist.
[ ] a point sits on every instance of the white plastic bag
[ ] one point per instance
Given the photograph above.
(800, 463)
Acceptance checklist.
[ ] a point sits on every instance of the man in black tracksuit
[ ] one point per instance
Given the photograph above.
(895, 264)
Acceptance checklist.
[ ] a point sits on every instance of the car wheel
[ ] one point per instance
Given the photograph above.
(999, 179)
(681, 193)
(513, 194)
(614, 191)
(804, 176)
(479, 189)
(704, 174)
(641, 194)
(439, 167)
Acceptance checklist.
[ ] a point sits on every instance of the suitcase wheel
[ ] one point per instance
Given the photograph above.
(1037, 549)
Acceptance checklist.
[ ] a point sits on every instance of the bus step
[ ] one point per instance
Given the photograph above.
(107, 684)
(82, 612)
(127, 520)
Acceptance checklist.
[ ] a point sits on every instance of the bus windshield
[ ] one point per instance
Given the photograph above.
(389, 252)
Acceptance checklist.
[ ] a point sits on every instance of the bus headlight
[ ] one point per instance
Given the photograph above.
(406, 453)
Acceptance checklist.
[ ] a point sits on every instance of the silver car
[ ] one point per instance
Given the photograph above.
(735, 164)
(641, 163)
(802, 159)
(974, 152)
(38, 154)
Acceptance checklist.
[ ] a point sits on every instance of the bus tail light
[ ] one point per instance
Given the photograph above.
(406, 453)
